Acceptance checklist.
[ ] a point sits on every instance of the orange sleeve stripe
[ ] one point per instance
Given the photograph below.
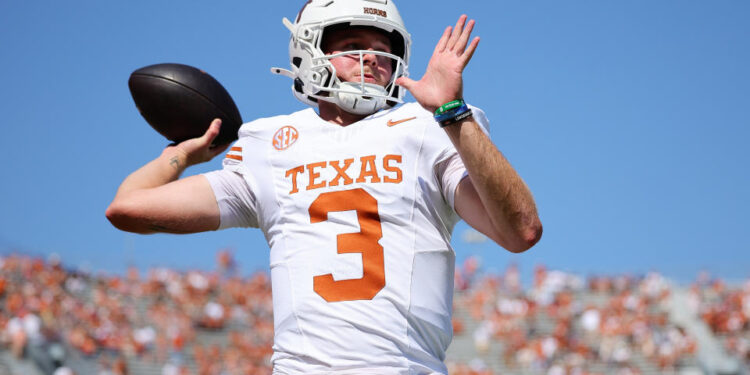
(236, 149)
(235, 157)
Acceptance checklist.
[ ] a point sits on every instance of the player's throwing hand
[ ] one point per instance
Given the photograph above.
(199, 150)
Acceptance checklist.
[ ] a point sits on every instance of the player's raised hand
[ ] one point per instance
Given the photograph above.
(198, 150)
(443, 81)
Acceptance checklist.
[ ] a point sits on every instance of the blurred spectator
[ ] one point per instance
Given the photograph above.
(63, 371)
(225, 261)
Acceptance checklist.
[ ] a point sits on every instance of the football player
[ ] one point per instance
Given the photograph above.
(358, 199)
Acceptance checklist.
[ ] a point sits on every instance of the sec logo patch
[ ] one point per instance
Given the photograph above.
(285, 137)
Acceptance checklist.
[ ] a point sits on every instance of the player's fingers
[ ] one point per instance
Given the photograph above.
(443, 40)
(456, 32)
(470, 50)
(216, 123)
(465, 35)
(406, 83)
(212, 132)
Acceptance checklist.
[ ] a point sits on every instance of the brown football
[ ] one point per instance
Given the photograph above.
(180, 101)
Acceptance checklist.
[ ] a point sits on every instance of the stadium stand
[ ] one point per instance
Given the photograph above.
(57, 321)
(560, 326)
(725, 311)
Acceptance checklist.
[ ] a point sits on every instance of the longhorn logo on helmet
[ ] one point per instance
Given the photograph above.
(376, 12)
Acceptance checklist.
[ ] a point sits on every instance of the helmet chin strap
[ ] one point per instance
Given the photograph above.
(360, 98)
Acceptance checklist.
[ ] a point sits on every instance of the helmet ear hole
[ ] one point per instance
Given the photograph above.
(306, 34)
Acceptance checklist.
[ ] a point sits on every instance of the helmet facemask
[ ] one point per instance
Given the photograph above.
(358, 97)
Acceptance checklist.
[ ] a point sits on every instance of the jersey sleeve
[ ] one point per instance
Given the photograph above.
(232, 188)
(451, 170)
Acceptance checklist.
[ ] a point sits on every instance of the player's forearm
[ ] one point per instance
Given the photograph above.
(166, 168)
(506, 198)
(152, 199)
(126, 211)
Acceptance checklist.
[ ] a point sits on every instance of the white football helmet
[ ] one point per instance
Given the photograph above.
(313, 74)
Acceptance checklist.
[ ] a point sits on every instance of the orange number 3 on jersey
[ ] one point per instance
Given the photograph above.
(365, 242)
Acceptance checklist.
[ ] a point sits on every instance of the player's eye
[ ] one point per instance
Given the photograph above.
(382, 48)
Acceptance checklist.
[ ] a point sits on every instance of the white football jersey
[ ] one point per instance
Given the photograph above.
(359, 221)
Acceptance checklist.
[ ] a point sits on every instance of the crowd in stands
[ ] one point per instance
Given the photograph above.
(561, 324)
(726, 310)
(47, 309)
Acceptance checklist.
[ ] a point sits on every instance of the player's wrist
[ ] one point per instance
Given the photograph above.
(452, 112)
(175, 158)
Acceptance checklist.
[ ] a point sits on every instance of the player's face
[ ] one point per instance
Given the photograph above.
(377, 69)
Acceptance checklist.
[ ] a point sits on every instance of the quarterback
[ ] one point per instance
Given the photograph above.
(357, 196)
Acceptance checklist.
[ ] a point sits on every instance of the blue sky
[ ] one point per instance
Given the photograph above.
(627, 119)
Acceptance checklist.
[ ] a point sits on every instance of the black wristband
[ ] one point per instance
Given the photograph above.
(458, 118)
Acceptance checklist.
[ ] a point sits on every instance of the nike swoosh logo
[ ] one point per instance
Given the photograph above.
(393, 123)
